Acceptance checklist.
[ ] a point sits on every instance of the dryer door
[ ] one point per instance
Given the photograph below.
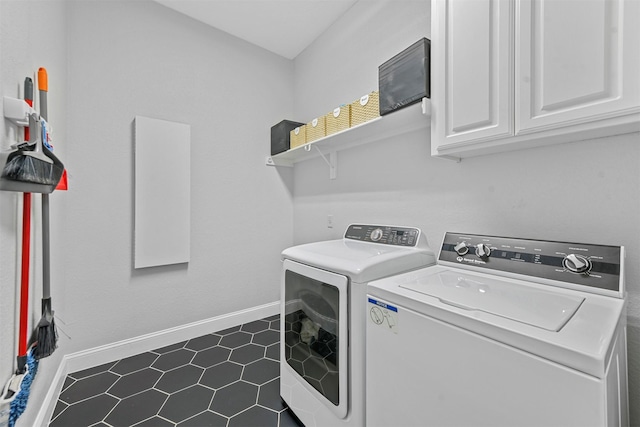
(314, 347)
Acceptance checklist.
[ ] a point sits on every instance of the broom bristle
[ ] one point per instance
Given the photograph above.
(47, 338)
(25, 168)
(45, 335)
(19, 402)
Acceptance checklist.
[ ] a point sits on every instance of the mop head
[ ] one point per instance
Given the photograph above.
(18, 388)
(46, 335)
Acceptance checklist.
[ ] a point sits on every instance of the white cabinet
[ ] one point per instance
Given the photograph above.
(576, 60)
(471, 70)
(514, 74)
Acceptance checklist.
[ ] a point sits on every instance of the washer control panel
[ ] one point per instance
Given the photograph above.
(595, 266)
(384, 234)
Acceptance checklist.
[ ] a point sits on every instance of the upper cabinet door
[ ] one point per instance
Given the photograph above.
(576, 61)
(472, 70)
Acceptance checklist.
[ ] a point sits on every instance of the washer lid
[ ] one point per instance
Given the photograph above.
(543, 309)
(361, 261)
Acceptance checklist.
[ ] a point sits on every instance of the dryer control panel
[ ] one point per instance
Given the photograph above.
(593, 266)
(383, 234)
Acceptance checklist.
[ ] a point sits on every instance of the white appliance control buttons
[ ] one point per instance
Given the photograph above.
(376, 234)
(482, 250)
(461, 248)
(577, 264)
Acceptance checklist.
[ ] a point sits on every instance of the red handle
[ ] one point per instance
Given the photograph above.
(24, 279)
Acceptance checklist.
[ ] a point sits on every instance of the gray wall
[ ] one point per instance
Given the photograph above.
(585, 191)
(140, 58)
(110, 61)
(122, 59)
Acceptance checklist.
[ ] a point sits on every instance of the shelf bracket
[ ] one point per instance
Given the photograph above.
(332, 161)
(426, 106)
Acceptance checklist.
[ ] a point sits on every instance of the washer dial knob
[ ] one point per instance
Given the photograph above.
(376, 234)
(461, 248)
(577, 264)
(483, 251)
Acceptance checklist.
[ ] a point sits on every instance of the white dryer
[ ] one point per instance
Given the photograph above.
(502, 332)
(322, 334)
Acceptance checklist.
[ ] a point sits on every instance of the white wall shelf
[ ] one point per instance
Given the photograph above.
(408, 119)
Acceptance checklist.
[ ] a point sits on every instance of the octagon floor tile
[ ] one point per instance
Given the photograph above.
(254, 417)
(92, 371)
(253, 327)
(168, 348)
(155, 422)
(173, 359)
(229, 330)
(269, 396)
(60, 406)
(261, 371)
(67, 382)
(86, 412)
(247, 354)
(288, 420)
(211, 356)
(89, 387)
(273, 352)
(183, 404)
(136, 408)
(236, 339)
(135, 382)
(206, 418)
(179, 378)
(234, 398)
(267, 337)
(221, 375)
(134, 363)
(203, 342)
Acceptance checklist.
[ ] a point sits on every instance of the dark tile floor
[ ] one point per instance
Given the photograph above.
(227, 378)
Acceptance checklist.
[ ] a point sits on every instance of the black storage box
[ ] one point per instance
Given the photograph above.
(280, 135)
(404, 79)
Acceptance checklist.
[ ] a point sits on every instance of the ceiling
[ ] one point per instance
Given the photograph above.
(285, 27)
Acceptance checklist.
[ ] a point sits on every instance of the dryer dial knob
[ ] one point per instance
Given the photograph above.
(376, 235)
(461, 248)
(577, 264)
(483, 251)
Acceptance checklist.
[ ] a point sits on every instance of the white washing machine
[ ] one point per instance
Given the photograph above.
(502, 332)
(323, 293)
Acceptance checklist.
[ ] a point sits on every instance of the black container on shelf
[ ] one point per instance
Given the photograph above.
(280, 135)
(405, 79)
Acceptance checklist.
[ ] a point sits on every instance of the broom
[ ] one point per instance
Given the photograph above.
(16, 392)
(46, 333)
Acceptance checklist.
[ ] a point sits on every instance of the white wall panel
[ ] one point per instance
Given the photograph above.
(162, 191)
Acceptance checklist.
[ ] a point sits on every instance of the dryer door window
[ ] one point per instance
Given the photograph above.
(315, 332)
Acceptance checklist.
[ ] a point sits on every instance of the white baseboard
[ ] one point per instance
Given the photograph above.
(130, 347)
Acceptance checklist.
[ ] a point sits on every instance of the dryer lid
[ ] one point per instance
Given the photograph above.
(361, 261)
(540, 308)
